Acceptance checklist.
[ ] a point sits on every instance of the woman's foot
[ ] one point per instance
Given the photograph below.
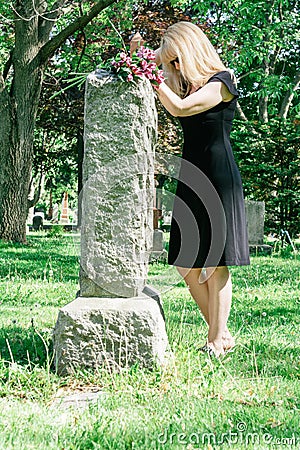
(212, 350)
(228, 341)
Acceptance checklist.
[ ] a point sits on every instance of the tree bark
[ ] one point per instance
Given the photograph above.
(240, 113)
(16, 164)
(263, 101)
(287, 101)
(19, 105)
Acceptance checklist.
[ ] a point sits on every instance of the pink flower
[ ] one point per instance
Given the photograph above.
(136, 70)
(158, 77)
(152, 66)
(141, 52)
(144, 64)
(148, 73)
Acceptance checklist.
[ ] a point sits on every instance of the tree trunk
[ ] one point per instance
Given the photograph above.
(19, 104)
(17, 156)
(263, 101)
(18, 128)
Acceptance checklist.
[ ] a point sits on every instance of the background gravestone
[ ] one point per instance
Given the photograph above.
(64, 218)
(255, 216)
(55, 213)
(117, 320)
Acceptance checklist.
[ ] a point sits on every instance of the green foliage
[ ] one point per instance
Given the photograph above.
(251, 35)
(56, 231)
(258, 39)
(268, 157)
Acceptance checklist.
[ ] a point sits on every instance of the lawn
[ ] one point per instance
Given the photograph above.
(248, 399)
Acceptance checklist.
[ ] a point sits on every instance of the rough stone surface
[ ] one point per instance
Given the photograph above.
(260, 249)
(158, 249)
(117, 197)
(120, 332)
(78, 400)
(255, 214)
(158, 240)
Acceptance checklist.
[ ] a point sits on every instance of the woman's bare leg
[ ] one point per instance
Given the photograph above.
(219, 294)
(200, 293)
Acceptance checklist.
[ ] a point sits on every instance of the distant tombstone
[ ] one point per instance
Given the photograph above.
(55, 213)
(65, 209)
(166, 222)
(158, 251)
(30, 215)
(255, 214)
(156, 216)
(39, 213)
(37, 222)
(50, 210)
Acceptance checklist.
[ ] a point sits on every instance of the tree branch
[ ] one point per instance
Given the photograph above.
(2, 84)
(263, 100)
(8, 65)
(241, 113)
(48, 19)
(49, 48)
(37, 192)
(288, 98)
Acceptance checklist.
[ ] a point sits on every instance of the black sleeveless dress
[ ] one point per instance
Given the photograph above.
(208, 227)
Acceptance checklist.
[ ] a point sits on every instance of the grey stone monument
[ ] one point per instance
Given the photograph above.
(255, 215)
(158, 252)
(117, 320)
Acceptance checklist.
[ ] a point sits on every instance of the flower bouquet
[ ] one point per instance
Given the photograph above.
(140, 65)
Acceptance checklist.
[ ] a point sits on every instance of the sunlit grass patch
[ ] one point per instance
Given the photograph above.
(257, 385)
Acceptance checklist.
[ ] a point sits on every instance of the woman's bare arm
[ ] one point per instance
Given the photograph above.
(205, 98)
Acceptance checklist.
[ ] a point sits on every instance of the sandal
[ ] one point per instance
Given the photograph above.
(208, 350)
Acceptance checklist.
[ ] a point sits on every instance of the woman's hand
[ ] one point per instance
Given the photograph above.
(157, 56)
(136, 42)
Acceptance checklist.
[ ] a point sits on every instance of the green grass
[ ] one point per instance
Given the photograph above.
(191, 403)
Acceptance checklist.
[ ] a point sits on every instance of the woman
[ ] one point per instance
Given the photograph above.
(208, 229)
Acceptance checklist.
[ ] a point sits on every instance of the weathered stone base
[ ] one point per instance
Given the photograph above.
(260, 249)
(161, 255)
(94, 332)
(158, 252)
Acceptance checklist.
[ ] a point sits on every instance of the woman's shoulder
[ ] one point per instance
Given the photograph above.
(227, 77)
(223, 74)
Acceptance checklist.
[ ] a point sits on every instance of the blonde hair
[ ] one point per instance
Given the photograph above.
(196, 55)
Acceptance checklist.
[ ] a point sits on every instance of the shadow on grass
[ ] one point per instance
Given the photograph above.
(25, 346)
(32, 265)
